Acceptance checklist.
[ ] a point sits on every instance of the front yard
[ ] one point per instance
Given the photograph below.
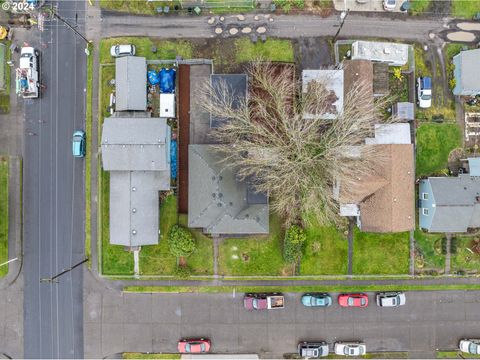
(434, 144)
(428, 252)
(3, 215)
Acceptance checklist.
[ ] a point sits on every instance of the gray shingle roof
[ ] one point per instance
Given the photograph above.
(217, 201)
(130, 144)
(469, 79)
(456, 205)
(130, 83)
(237, 88)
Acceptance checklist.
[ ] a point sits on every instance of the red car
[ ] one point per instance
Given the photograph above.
(193, 346)
(353, 300)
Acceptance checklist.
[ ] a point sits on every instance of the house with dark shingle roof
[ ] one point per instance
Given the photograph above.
(219, 202)
(450, 204)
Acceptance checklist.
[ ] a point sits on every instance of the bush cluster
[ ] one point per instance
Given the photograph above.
(181, 241)
(293, 244)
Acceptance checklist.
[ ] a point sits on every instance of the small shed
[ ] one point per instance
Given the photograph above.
(167, 105)
(404, 111)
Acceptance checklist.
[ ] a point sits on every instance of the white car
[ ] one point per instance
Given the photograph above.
(470, 346)
(122, 50)
(424, 92)
(353, 348)
(389, 5)
(391, 299)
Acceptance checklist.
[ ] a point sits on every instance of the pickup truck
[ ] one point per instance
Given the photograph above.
(263, 301)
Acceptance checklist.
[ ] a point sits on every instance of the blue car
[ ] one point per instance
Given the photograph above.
(316, 300)
(78, 143)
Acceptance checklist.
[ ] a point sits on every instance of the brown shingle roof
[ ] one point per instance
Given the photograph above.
(391, 208)
(356, 73)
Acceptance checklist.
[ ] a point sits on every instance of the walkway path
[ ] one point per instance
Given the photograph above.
(448, 254)
(351, 225)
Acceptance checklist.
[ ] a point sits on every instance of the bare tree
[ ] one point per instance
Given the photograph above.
(296, 160)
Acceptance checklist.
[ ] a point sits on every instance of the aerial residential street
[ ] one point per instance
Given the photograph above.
(54, 194)
(116, 323)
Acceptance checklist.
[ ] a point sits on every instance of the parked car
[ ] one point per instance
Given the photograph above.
(391, 299)
(193, 346)
(353, 300)
(470, 346)
(78, 143)
(389, 5)
(263, 301)
(122, 50)
(317, 300)
(313, 350)
(424, 92)
(353, 348)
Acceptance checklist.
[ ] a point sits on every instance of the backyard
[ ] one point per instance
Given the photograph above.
(434, 144)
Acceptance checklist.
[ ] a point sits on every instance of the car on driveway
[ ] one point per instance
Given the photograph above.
(353, 300)
(78, 143)
(391, 299)
(389, 5)
(313, 350)
(470, 346)
(424, 92)
(350, 348)
(193, 346)
(122, 50)
(316, 300)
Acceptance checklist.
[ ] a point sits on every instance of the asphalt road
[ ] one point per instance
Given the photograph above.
(116, 322)
(291, 26)
(53, 183)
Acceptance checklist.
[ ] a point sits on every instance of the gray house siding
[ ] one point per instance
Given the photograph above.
(425, 220)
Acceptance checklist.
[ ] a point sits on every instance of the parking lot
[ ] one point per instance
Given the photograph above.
(131, 322)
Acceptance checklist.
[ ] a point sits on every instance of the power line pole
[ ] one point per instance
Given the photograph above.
(54, 13)
(343, 17)
(52, 279)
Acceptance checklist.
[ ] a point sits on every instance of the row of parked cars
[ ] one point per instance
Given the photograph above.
(277, 301)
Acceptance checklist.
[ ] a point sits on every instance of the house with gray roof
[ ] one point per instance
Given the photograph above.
(136, 153)
(467, 76)
(130, 83)
(449, 204)
(219, 202)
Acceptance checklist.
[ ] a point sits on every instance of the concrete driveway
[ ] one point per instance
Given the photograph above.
(116, 323)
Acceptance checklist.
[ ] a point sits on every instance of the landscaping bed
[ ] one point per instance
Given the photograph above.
(428, 253)
(434, 144)
(466, 259)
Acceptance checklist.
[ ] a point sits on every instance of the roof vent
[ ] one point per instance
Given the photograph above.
(134, 232)
(477, 199)
(214, 195)
(213, 178)
(134, 210)
(134, 188)
(219, 204)
(230, 203)
(220, 177)
(247, 216)
(220, 195)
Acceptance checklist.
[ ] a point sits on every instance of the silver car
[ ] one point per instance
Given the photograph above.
(313, 350)
(391, 299)
(122, 50)
(350, 348)
(470, 346)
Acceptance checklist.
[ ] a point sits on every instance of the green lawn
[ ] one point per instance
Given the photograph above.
(273, 50)
(88, 156)
(434, 143)
(380, 254)
(256, 255)
(419, 6)
(465, 8)
(166, 49)
(326, 252)
(421, 68)
(455, 355)
(429, 254)
(5, 94)
(136, 6)
(3, 215)
(465, 259)
(150, 356)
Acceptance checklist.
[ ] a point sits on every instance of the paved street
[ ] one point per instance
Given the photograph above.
(54, 193)
(282, 26)
(116, 322)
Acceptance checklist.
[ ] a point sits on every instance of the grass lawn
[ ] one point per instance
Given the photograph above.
(136, 6)
(88, 156)
(166, 49)
(465, 8)
(258, 255)
(272, 49)
(418, 6)
(115, 260)
(326, 252)
(399, 88)
(379, 254)
(374, 355)
(429, 253)
(465, 259)
(5, 94)
(455, 355)
(421, 67)
(434, 143)
(3, 215)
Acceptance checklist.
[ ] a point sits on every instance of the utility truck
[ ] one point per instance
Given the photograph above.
(27, 74)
